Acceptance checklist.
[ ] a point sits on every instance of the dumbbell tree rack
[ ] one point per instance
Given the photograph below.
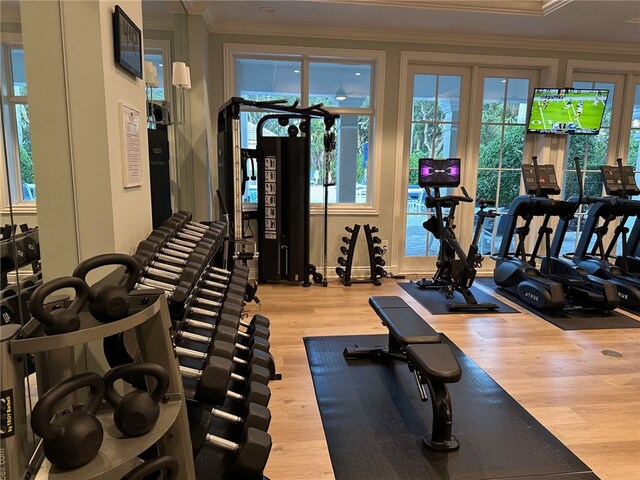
(373, 276)
(151, 322)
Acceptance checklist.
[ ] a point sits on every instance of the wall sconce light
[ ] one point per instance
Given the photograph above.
(181, 78)
(151, 81)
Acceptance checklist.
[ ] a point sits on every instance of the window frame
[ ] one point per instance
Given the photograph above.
(305, 55)
(13, 177)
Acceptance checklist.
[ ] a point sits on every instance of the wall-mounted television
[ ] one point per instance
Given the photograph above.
(561, 111)
(127, 40)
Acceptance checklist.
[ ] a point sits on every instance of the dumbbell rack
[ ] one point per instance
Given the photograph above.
(375, 265)
(151, 322)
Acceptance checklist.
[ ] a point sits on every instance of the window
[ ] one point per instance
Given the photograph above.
(434, 134)
(344, 84)
(16, 126)
(502, 138)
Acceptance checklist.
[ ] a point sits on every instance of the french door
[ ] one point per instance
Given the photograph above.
(488, 134)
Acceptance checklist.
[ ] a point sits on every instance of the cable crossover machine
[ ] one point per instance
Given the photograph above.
(283, 166)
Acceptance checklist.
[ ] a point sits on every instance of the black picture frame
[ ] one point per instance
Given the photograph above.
(127, 39)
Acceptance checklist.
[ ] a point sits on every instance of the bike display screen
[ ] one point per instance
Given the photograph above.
(439, 172)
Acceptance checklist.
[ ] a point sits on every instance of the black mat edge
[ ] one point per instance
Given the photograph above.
(412, 289)
(586, 474)
(618, 320)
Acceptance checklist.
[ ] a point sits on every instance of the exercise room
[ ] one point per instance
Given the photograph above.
(322, 239)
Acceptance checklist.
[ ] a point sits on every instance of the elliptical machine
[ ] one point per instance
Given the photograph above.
(452, 274)
(619, 183)
(583, 290)
(514, 271)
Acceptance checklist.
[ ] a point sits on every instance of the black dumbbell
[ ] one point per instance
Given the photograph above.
(165, 239)
(212, 381)
(172, 264)
(376, 240)
(348, 229)
(227, 349)
(31, 280)
(374, 229)
(346, 240)
(381, 272)
(344, 250)
(252, 415)
(380, 261)
(219, 348)
(227, 316)
(378, 250)
(188, 274)
(159, 248)
(10, 310)
(250, 454)
(193, 238)
(222, 332)
(225, 329)
(180, 296)
(340, 272)
(342, 261)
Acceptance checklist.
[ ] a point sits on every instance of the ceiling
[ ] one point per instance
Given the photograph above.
(593, 21)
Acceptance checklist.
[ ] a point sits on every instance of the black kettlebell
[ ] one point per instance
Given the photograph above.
(111, 302)
(72, 439)
(137, 412)
(165, 462)
(62, 320)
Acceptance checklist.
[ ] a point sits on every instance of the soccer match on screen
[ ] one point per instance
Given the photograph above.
(567, 111)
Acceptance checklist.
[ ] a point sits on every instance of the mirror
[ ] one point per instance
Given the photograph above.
(166, 42)
(20, 270)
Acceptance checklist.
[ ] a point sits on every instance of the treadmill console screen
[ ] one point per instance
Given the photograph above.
(439, 172)
(613, 181)
(547, 180)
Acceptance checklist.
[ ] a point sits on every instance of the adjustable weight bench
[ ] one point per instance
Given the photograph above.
(432, 363)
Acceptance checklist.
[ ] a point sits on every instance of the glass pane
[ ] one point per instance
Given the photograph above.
(418, 241)
(446, 141)
(517, 100)
(23, 129)
(448, 98)
(268, 79)
(509, 187)
(634, 137)
(340, 85)
(157, 93)
(349, 162)
(493, 100)
(490, 146)
(513, 146)
(569, 241)
(487, 186)
(593, 184)
(18, 72)
(424, 94)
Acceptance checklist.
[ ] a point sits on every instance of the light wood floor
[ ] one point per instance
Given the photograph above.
(591, 402)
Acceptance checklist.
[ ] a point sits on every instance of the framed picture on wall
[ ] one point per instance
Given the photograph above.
(127, 42)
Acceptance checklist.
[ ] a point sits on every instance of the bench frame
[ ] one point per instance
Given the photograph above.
(440, 439)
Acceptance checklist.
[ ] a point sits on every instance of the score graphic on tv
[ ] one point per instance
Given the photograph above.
(567, 111)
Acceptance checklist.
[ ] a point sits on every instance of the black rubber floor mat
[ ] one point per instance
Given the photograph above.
(573, 319)
(436, 303)
(374, 422)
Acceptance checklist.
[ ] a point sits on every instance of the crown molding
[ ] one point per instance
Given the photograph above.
(422, 37)
(522, 7)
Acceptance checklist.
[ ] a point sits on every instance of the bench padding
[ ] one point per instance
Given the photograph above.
(406, 326)
(435, 361)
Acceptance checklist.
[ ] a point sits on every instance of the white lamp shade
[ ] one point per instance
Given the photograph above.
(180, 74)
(150, 74)
(187, 85)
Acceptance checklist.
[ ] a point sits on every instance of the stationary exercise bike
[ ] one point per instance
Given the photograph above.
(452, 274)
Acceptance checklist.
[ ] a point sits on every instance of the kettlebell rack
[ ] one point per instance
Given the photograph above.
(118, 454)
(376, 262)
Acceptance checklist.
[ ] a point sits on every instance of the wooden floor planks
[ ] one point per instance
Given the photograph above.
(590, 401)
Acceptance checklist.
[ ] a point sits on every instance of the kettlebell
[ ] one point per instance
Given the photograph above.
(137, 412)
(72, 439)
(166, 462)
(62, 320)
(111, 302)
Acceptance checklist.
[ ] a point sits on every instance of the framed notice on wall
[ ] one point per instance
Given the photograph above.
(131, 146)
